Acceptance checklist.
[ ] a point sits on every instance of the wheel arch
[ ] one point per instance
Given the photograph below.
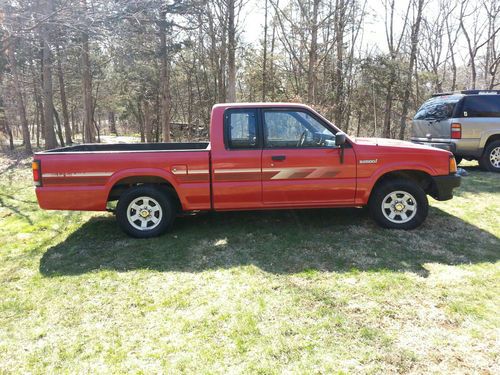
(421, 178)
(484, 161)
(488, 138)
(123, 181)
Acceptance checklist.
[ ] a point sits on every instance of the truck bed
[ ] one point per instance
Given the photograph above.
(83, 177)
(124, 147)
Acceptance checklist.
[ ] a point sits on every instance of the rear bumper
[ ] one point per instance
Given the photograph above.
(443, 186)
(448, 146)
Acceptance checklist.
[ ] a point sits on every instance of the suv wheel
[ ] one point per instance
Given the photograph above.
(145, 211)
(399, 204)
(490, 160)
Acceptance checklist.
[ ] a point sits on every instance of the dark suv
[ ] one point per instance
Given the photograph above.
(466, 123)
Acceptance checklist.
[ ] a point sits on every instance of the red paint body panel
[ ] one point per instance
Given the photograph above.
(82, 181)
(241, 179)
(313, 177)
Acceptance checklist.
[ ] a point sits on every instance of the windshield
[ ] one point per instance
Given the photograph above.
(437, 109)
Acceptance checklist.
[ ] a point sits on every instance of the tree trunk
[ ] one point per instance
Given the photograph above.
(112, 123)
(64, 103)
(48, 102)
(271, 62)
(164, 79)
(148, 128)
(339, 21)
(88, 128)
(88, 112)
(231, 50)
(387, 113)
(59, 128)
(19, 100)
(74, 123)
(413, 55)
(313, 55)
(4, 126)
(264, 57)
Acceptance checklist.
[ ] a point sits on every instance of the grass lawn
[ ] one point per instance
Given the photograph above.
(316, 291)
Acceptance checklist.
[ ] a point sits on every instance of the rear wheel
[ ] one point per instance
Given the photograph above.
(145, 211)
(399, 204)
(490, 160)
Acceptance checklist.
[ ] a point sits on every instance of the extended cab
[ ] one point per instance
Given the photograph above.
(260, 156)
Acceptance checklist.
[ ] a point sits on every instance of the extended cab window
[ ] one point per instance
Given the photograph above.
(436, 109)
(241, 128)
(294, 129)
(482, 106)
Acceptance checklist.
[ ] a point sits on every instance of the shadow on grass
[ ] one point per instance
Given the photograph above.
(278, 242)
(14, 209)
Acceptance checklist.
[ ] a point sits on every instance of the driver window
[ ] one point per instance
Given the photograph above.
(290, 129)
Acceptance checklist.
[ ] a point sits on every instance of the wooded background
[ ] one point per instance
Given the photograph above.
(75, 70)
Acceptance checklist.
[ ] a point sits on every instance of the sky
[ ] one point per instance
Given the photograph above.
(252, 21)
(374, 34)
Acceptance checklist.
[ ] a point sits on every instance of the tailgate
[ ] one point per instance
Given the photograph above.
(431, 129)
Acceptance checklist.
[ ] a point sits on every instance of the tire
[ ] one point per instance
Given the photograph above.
(490, 161)
(154, 215)
(412, 209)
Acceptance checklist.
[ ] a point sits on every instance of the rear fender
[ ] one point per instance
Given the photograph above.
(486, 135)
(151, 172)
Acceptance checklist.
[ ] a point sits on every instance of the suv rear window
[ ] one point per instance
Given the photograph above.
(482, 106)
(437, 109)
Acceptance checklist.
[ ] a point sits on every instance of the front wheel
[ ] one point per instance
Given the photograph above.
(490, 160)
(399, 204)
(145, 211)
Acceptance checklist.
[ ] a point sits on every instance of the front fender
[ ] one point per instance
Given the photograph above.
(365, 185)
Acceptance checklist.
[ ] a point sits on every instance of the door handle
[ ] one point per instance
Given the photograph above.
(278, 157)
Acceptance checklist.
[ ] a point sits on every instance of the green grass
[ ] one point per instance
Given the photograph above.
(315, 291)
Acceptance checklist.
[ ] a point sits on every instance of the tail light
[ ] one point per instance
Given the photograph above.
(453, 164)
(456, 131)
(37, 172)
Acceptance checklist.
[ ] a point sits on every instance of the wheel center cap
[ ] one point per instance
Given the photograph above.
(144, 213)
(399, 206)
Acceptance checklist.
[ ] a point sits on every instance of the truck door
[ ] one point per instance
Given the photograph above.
(301, 166)
(236, 167)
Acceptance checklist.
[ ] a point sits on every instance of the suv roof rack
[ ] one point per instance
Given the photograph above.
(467, 92)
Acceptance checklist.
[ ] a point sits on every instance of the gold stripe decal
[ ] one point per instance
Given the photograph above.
(286, 173)
(302, 173)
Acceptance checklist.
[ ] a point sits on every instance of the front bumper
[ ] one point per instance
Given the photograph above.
(443, 186)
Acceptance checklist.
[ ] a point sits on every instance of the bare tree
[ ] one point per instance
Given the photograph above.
(19, 99)
(164, 78)
(231, 49)
(48, 103)
(415, 29)
(473, 33)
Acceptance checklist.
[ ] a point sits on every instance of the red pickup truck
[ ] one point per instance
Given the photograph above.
(260, 156)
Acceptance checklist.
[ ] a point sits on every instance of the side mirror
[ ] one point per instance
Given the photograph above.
(340, 139)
